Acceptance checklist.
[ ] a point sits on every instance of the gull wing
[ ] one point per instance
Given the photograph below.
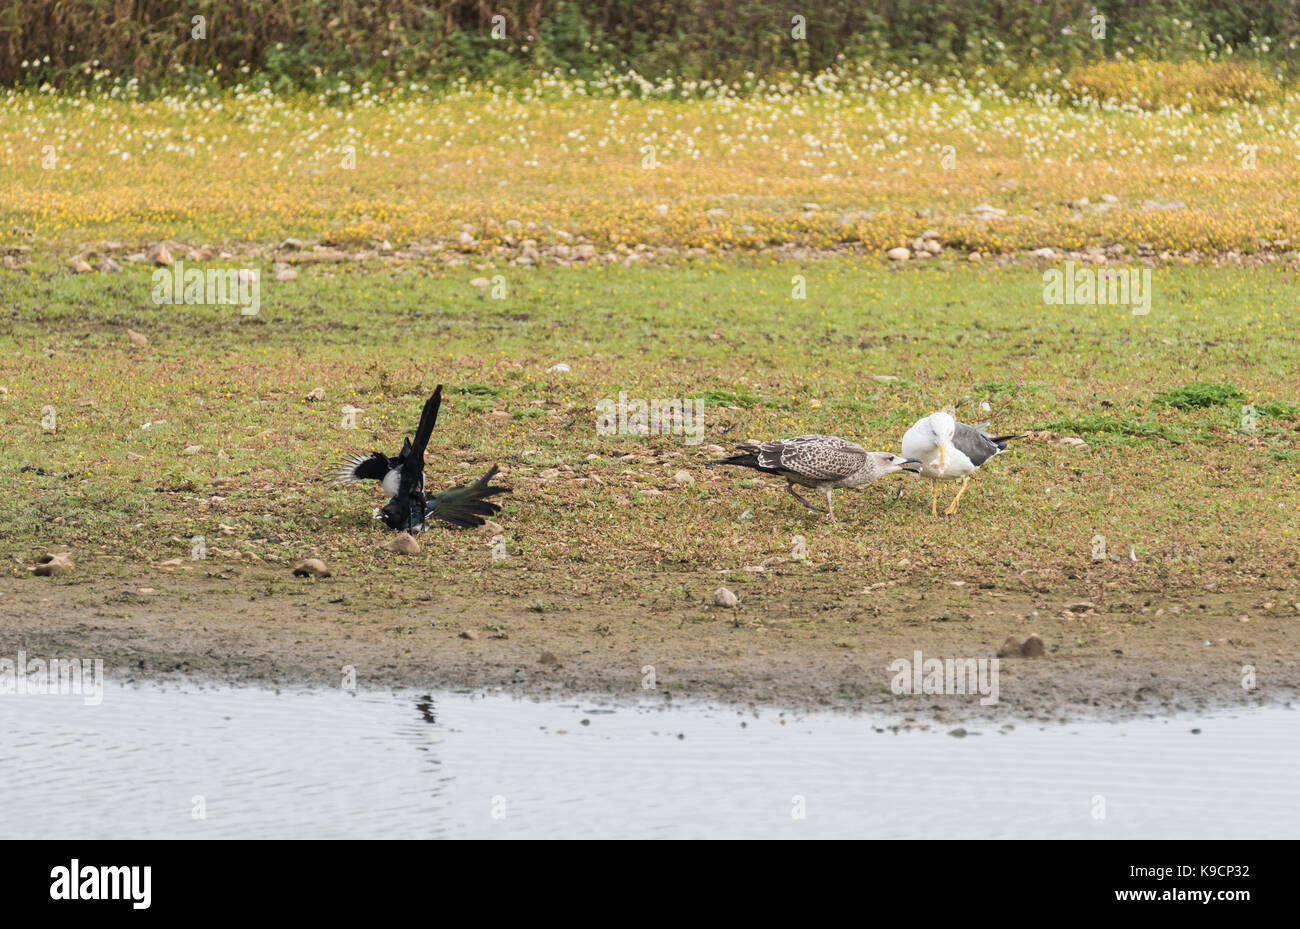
(974, 443)
(815, 457)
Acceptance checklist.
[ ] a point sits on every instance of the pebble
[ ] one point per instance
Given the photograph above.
(898, 254)
(725, 598)
(53, 564)
(312, 567)
(403, 544)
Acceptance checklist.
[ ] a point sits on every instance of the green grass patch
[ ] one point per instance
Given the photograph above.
(1199, 395)
(1113, 425)
(209, 423)
(1281, 409)
(717, 397)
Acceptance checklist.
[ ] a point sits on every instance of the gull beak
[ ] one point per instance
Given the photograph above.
(916, 462)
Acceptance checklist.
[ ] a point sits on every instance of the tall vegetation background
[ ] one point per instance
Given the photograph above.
(313, 43)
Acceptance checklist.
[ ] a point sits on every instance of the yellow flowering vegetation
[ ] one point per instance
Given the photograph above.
(843, 159)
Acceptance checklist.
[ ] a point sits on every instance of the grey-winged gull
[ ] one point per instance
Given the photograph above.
(949, 450)
(822, 462)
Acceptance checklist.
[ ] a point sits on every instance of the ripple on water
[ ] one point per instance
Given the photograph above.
(330, 764)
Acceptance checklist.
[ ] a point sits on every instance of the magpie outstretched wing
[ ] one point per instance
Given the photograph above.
(406, 509)
(388, 469)
(413, 463)
(372, 467)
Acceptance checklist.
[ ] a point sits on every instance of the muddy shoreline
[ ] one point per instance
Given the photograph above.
(801, 643)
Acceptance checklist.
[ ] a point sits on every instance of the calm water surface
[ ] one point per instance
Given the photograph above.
(325, 763)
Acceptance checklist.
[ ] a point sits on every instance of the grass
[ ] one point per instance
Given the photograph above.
(1116, 426)
(1192, 396)
(854, 160)
(122, 477)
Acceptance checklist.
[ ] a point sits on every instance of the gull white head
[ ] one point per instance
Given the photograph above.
(943, 427)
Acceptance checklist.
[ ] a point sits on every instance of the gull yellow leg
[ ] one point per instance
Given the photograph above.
(952, 507)
(934, 500)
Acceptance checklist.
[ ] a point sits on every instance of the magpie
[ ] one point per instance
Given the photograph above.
(388, 471)
(463, 507)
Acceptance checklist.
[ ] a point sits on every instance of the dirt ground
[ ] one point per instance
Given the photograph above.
(793, 640)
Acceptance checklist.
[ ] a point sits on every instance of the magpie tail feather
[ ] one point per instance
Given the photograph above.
(467, 506)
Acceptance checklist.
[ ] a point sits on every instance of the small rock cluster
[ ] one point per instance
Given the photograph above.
(52, 564)
(1032, 647)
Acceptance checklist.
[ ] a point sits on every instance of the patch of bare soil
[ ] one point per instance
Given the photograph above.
(802, 642)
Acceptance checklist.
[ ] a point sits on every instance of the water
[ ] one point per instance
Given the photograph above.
(325, 763)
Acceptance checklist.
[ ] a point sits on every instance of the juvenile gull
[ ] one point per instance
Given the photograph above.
(949, 450)
(822, 462)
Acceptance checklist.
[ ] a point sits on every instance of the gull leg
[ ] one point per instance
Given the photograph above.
(794, 493)
(830, 508)
(952, 507)
(934, 500)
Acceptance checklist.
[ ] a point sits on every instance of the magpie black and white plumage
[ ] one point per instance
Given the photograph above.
(402, 477)
(388, 470)
(464, 507)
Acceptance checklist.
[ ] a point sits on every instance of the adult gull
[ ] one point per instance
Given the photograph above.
(949, 450)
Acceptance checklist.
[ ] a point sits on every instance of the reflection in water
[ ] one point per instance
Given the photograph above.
(195, 761)
(425, 706)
